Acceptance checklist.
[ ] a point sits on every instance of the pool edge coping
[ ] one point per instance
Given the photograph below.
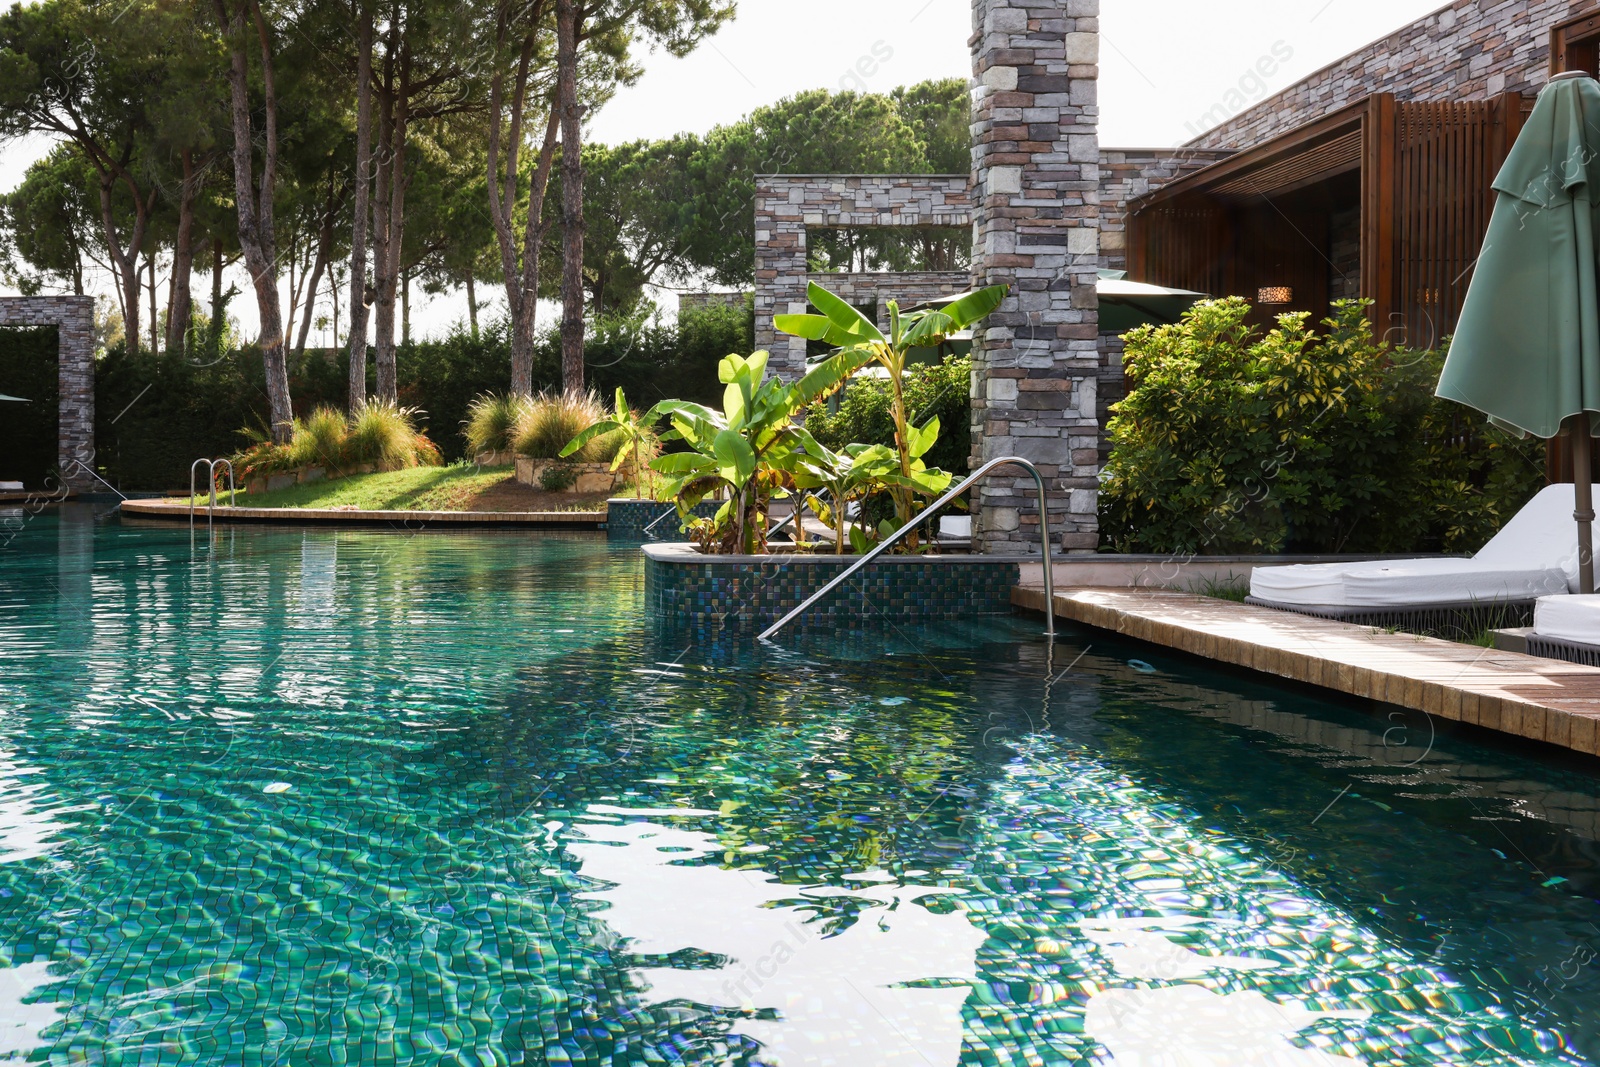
(1538, 699)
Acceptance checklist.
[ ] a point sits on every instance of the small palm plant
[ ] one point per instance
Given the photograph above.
(861, 342)
(637, 441)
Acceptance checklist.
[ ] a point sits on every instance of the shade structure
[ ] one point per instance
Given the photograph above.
(16, 399)
(1125, 305)
(1526, 350)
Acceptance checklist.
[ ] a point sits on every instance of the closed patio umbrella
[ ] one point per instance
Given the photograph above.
(1526, 350)
(1125, 305)
(18, 399)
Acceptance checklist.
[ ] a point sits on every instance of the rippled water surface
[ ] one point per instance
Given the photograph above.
(382, 797)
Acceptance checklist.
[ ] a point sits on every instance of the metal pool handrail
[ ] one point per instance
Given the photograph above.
(211, 480)
(934, 509)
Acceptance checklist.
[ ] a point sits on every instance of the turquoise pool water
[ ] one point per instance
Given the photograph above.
(285, 797)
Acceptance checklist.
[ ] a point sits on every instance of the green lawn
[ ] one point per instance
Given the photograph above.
(456, 488)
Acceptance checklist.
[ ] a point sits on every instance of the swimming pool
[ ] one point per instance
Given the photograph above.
(369, 797)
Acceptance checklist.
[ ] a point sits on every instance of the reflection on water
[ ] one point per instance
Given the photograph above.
(818, 974)
(296, 797)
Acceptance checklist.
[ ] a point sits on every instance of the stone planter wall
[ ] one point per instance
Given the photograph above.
(495, 459)
(592, 477)
(743, 592)
(626, 518)
(267, 483)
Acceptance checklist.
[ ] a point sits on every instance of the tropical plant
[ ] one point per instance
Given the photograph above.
(550, 420)
(847, 476)
(638, 443)
(862, 412)
(860, 342)
(741, 450)
(491, 422)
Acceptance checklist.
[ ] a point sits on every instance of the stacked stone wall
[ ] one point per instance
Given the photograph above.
(1469, 50)
(1036, 361)
(787, 205)
(73, 316)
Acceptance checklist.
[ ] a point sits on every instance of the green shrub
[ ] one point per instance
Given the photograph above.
(557, 478)
(381, 435)
(490, 422)
(550, 420)
(861, 413)
(1234, 440)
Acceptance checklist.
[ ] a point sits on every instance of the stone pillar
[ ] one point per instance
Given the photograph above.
(75, 385)
(73, 317)
(1035, 163)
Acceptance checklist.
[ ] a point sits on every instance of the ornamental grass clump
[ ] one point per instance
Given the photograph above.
(382, 436)
(492, 421)
(553, 419)
(385, 436)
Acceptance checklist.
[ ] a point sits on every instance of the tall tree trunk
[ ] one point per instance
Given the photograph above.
(213, 341)
(124, 260)
(405, 308)
(472, 304)
(324, 253)
(358, 225)
(180, 304)
(388, 291)
(382, 309)
(155, 322)
(254, 203)
(567, 30)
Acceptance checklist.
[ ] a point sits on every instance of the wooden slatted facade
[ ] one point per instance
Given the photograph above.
(1384, 199)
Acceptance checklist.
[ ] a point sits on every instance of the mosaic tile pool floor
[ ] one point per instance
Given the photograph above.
(317, 797)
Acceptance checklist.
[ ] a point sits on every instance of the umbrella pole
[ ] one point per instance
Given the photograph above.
(1583, 501)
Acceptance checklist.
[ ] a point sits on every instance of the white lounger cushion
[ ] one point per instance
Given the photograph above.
(1535, 554)
(1568, 618)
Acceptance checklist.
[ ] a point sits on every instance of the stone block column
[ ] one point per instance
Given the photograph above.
(73, 317)
(1035, 162)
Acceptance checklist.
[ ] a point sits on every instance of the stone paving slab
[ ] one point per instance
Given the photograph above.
(161, 509)
(1541, 699)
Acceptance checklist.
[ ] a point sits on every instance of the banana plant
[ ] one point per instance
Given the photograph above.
(858, 338)
(638, 438)
(742, 449)
(857, 471)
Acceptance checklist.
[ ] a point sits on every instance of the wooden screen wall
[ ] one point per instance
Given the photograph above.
(1427, 177)
(1426, 171)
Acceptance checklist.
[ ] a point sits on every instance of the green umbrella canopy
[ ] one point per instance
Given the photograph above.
(18, 399)
(1125, 305)
(1526, 350)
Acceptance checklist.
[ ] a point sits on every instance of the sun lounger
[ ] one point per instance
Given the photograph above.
(1564, 627)
(1533, 555)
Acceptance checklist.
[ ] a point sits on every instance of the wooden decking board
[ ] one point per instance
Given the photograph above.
(1540, 699)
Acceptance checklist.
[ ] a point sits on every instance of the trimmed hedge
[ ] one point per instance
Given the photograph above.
(181, 409)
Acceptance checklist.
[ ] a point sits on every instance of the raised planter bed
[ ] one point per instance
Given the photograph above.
(266, 483)
(682, 585)
(590, 477)
(628, 517)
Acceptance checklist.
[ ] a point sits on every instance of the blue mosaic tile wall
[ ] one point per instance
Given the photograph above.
(626, 519)
(747, 594)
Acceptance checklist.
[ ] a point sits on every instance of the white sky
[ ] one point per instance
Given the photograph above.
(1163, 64)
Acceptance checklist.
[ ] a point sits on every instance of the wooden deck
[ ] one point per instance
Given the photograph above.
(176, 511)
(1541, 699)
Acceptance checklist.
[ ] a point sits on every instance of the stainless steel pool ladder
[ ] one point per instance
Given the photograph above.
(933, 509)
(211, 480)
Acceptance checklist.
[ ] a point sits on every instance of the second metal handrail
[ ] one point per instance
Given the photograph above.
(211, 480)
(933, 509)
